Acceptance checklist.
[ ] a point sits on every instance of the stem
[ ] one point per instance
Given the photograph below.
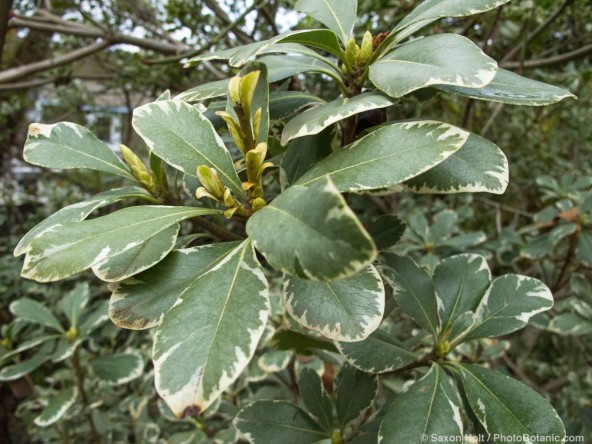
(80, 381)
(573, 243)
(217, 230)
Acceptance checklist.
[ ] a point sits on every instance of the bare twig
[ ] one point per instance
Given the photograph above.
(551, 61)
(221, 14)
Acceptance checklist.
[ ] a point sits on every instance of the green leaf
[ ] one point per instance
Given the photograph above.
(427, 412)
(29, 344)
(570, 324)
(315, 398)
(478, 167)
(273, 361)
(74, 302)
(209, 336)
(303, 153)
(72, 247)
(57, 407)
(66, 145)
(584, 249)
(509, 304)
(260, 99)
(317, 119)
(142, 301)
(460, 281)
(299, 342)
(284, 104)
(17, 371)
(32, 311)
(337, 15)
(544, 244)
(206, 91)
(513, 89)
(431, 10)
(443, 59)
(193, 437)
(506, 407)
(355, 392)
(65, 349)
(118, 369)
(261, 422)
(388, 156)
(284, 66)
(312, 233)
(413, 288)
(317, 38)
(97, 317)
(184, 138)
(386, 231)
(344, 310)
(80, 211)
(378, 353)
(138, 258)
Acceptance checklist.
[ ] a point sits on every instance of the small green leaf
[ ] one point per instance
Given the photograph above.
(312, 233)
(427, 412)
(209, 336)
(513, 89)
(506, 407)
(97, 317)
(57, 407)
(273, 361)
(72, 247)
(32, 311)
(348, 309)
(29, 344)
(570, 324)
(378, 353)
(67, 145)
(184, 138)
(299, 342)
(74, 302)
(584, 249)
(315, 398)
(442, 59)
(17, 371)
(386, 231)
(261, 422)
(388, 156)
(118, 369)
(65, 349)
(337, 15)
(284, 104)
(355, 392)
(413, 288)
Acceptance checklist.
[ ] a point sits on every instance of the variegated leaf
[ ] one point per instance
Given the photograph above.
(315, 397)
(511, 88)
(317, 119)
(427, 412)
(80, 211)
(74, 302)
(57, 407)
(184, 138)
(355, 392)
(29, 310)
(337, 15)
(67, 145)
(378, 353)
(312, 233)
(139, 258)
(210, 90)
(209, 336)
(284, 104)
(388, 156)
(72, 247)
(17, 371)
(478, 167)
(118, 369)
(141, 302)
(442, 59)
(344, 310)
(273, 361)
(509, 304)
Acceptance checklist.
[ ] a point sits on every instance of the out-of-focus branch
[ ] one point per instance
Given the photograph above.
(29, 84)
(32, 68)
(5, 8)
(221, 14)
(550, 61)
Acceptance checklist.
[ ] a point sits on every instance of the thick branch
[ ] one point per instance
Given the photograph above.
(32, 68)
(550, 61)
(35, 83)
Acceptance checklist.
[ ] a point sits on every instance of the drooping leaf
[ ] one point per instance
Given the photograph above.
(442, 59)
(428, 411)
(386, 231)
(32, 311)
(343, 310)
(209, 336)
(337, 15)
(312, 233)
(142, 301)
(261, 422)
(72, 247)
(478, 167)
(505, 407)
(316, 119)
(184, 138)
(139, 258)
(413, 288)
(16, 371)
(80, 211)
(57, 407)
(355, 392)
(315, 398)
(513, 89)
(388, 156)
(509, 304)
(378, 353)
(118, 369)
(67, 145)
(74, 302)
(283, 104)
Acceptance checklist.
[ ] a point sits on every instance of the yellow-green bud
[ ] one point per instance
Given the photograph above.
(248, 86)
(138, 168)
(443, 348)
(367, 48)
(257, 125)
(352, 52)
(71, 334)
(234, 129)
(234, 90)
(254, 160)
(257, 204)
(211, 182)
